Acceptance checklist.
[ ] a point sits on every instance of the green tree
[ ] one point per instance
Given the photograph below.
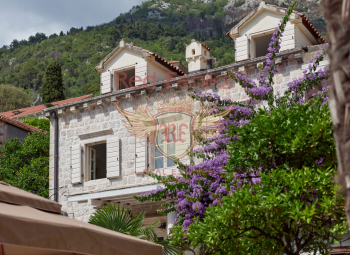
(53, 89)
(12, 98)
(294, 207)
(43, 124)
(120, 220)
(28, 76)
(26, 165)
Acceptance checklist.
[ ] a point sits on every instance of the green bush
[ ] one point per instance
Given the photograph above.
(26, 165)
(294, 205)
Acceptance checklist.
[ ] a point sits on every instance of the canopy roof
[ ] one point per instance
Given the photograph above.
(13, 195)
(33, 225)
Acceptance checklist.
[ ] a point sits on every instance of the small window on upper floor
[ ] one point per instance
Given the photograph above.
(205, 52)
(96, 161)
(193, 51)
(261, 45)
(125, 79)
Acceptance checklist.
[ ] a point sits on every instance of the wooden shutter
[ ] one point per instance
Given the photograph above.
(140, 157)
(288, 39)
(76, 164)
(140, 73)
(242, 48)
(105, 82)
(113, 168)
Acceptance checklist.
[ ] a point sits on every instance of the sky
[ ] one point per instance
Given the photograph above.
(21, 18)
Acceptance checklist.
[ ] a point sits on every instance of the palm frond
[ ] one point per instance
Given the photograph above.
(121, 220)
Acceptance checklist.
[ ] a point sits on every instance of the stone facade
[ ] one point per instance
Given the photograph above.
(76, 119)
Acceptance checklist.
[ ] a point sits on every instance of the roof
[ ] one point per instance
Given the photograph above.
(144, 52)
(19, 124)
(40, 108)
(205, 46)
(137, 91)
(295, 15)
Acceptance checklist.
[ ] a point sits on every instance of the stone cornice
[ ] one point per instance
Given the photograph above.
(95, 134)
(152, 87)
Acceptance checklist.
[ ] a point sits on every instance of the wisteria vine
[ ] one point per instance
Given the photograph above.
(204, 184)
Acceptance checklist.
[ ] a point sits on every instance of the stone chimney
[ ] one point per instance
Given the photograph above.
(196, 56)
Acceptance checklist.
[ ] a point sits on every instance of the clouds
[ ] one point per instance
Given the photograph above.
(21, 18)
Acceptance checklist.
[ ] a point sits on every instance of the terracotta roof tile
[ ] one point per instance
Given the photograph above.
(19, 124)
(205, 46)
(306, 23)
(39, 108)
(159, 59)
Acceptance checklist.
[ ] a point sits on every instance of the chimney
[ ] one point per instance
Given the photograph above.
(197, 55)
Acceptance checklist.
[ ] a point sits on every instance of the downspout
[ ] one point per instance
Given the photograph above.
(55, 164)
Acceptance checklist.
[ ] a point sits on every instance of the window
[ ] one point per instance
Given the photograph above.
(193, 51)
(164, 147)
(205, 52)
(97, 161)
(125, 79)
(261, 45)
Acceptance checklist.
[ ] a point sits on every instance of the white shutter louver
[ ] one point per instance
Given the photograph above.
(113, 169)
(288, 39)
(105, 82)
(140, 73)
(242, 48)
(76, 164)
(140, 157)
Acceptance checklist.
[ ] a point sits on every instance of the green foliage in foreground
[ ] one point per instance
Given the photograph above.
(120, 220)
(26, 165)
(12, 98)
(296, 207)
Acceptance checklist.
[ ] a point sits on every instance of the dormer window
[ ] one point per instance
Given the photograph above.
(260, 44)
(125, 79)
(193, 52)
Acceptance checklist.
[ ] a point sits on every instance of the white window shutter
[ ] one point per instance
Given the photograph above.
(288, 39)
(242, 48)
(141, 155)
(140, 73)
(106, 82)
(113, 168)
(76, 164)
(150, 156)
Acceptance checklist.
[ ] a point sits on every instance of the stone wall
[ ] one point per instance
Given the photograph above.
(101, 118)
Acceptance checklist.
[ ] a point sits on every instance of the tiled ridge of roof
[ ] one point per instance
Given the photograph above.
(39, 108)
(158, 58)
(20, 124)
(205, 46)
(306, 22)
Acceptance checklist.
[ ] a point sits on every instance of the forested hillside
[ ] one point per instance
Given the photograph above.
(164, 27)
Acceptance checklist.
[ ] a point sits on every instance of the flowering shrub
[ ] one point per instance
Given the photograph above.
(295, 206)
(225, 170)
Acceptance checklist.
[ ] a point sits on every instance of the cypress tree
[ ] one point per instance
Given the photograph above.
(53, 89)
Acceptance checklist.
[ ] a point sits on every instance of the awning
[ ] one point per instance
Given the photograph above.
(27, 230)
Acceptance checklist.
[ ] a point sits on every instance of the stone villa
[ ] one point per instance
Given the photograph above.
(95, 160)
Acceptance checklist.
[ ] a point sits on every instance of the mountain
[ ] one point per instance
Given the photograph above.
(161, 26)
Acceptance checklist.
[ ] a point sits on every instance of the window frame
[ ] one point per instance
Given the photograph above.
(253, 36)
(115, 80)
(165, 158)
(87, 162)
